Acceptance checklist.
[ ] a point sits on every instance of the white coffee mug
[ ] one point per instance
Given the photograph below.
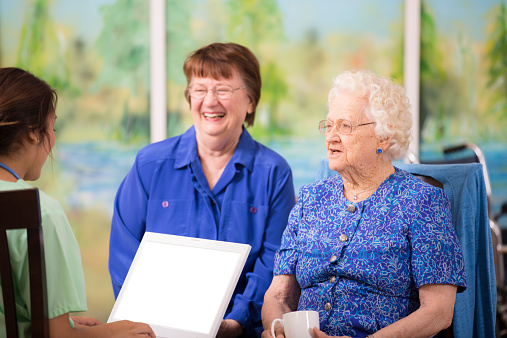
(298, 324)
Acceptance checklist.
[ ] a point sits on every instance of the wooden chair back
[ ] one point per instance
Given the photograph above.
(20, 209)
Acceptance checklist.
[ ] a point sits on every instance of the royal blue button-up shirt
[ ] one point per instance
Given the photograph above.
(166, 192)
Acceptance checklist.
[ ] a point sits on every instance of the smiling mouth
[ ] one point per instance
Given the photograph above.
(213, 115)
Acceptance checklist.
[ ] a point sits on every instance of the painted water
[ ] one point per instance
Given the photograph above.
(94, 170)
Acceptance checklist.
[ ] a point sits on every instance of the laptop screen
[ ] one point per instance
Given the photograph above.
(180, 284)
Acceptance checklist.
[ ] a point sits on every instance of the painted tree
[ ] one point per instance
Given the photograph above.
(258, 24)
(397, 72)
(255, 21)
(497, 55)
(431, 71)
(439, 86)
(180, 42)
(179, 39)
(124, 46)
(42, 47)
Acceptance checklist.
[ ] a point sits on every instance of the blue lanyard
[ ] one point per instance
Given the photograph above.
(10, 170)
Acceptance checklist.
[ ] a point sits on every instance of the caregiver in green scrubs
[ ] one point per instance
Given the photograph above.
(27, 117)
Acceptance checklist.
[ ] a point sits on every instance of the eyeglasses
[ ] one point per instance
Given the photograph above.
(220, 92)
(344, 127)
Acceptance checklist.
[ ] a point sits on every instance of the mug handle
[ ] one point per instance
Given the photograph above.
(273, 326)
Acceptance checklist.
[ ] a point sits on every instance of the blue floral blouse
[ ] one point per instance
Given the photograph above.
(360, 264)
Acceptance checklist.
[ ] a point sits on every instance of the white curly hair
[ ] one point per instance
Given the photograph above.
(387, 105)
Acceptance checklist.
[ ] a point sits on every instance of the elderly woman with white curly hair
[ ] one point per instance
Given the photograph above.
(372, 249)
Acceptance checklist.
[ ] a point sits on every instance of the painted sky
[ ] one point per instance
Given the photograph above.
(300, 16)
(465, 15)
(374, 17)
(83, 16)
(324, 16)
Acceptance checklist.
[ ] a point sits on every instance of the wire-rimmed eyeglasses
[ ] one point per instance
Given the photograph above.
(220, 92)
(344, 127)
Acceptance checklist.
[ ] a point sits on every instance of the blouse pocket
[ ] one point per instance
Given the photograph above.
(246, 223)
(169, 216)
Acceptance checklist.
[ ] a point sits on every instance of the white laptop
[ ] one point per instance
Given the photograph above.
(181, 286)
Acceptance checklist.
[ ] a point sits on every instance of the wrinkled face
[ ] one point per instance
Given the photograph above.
(220, 118)
(43, 150)
(356, 150)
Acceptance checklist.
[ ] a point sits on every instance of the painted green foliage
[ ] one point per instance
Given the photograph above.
(432, 73)
(255, 22)
(41, 50)
(258, 24)
(497, 53)
(440, 112)
(179, 38)
(124, 46)
(180, 42)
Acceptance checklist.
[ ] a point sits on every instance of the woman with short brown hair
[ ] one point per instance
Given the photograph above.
(213, 182)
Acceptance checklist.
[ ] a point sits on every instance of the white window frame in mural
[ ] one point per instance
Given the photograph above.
(158, 90)
(411, 69)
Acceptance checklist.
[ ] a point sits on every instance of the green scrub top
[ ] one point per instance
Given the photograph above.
(64, 271)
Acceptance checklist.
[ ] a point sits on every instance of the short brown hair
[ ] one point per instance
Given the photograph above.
(26, 102)
(220, 60)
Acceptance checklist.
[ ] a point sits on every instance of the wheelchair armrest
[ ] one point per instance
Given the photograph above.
(503, 211)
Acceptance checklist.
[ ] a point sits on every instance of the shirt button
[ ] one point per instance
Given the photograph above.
(165, 204)
(333, 258)
(253, 210)
(332, 279)
(327, 307)
(351, 208)
(343, 238)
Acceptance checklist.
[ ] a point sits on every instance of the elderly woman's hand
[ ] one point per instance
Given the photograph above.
(319, 334)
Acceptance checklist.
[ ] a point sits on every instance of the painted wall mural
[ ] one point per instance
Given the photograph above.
(96, 53)
(463, 91)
